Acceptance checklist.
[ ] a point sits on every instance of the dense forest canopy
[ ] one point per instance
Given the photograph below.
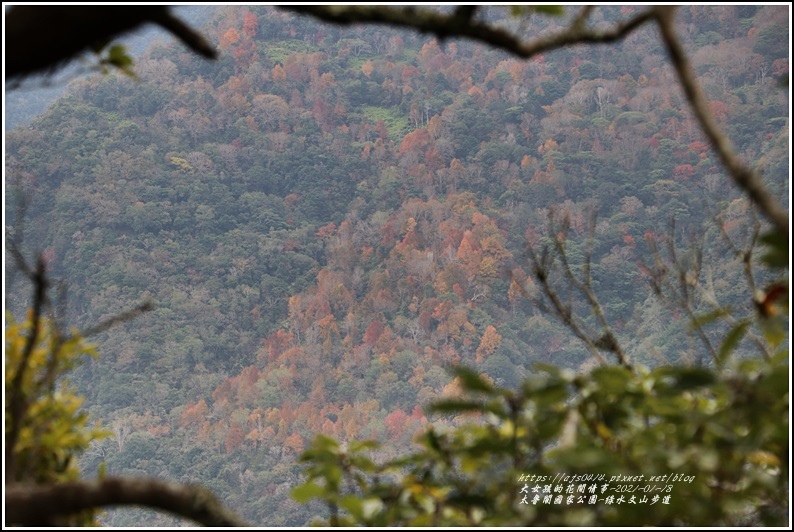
(327, 218)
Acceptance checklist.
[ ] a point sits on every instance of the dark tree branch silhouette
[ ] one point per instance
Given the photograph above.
(744, 177)
(544, 263)
(16, 397)
(25, 503)
(43, 38)
(461, 23)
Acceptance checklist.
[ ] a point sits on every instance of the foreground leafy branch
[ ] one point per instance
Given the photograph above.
(664, 447)
(18, 400)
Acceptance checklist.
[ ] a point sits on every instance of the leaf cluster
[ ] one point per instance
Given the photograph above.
(53, 429)
(725, 431)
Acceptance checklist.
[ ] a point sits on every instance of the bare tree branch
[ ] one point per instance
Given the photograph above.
(581, 18)
(678, 293)
(37, 505)
(190, 37)
(146, 306)
(676, 282)
(745, 254)
(742, 175)
(606, 341)
(17, 399)
(444, 26)
(688, 276)
(542, 267)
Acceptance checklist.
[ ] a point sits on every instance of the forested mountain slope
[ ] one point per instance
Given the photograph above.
(326, 219)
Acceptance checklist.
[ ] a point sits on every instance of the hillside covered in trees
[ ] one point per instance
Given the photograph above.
(327, 219)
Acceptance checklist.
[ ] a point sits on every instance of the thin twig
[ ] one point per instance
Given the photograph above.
(103, 326)
(17, 399)
(541, 269)
(444, 26)
(607, 340)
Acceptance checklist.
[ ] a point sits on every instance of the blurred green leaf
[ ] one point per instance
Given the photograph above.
(708, 317)
(118, 56)
(455, 406)
(688, 378)
(776, 383)
(471, 381)
(431, 438)
(556, 11)
(612, 378)
(325, 443)
(353, 505)
(732, 339)
(774, 331)
(307, 491)
(363, 463)
(551, 369)
(362, 445)
(776, 255)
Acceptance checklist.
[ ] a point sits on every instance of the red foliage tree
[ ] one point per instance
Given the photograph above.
(373, 332)
(294, 443)
(718, 109)
(326, 231)
(234, 438)
(683, 172)
(414, 145)
(223, 393)
(489, 343)
(229, 38)
(395, 423)
(194, 415)
(278, 73)
(250, 24)
(277, 343)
